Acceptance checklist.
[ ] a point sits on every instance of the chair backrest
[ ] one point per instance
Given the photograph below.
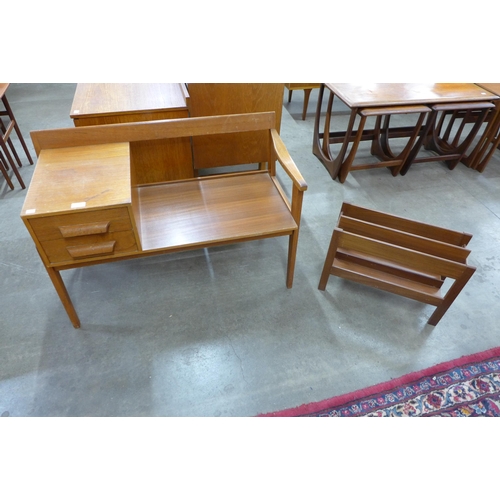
(144, 131)
(160, 129)
(209, 99)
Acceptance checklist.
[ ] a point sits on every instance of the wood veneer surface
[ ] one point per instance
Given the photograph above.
(220, 209)
(123, 98)
(88, 176)
(387, 94)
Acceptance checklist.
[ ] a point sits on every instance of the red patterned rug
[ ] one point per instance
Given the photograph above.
(465, 387)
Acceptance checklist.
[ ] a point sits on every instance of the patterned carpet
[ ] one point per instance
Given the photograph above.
(465, 387)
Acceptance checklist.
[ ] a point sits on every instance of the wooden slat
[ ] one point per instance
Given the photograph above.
(389, 267)
(409, 258)
(145, 131)
(388, 282)
(406, 225)
(404, 239)
(394, 110)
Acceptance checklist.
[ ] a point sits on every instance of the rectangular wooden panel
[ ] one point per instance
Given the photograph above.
(226, 208)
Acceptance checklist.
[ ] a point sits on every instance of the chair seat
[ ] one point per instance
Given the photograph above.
(201, 211)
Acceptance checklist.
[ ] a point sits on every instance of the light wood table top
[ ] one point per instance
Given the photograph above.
(73, 179)
(93, 99)
(357, 95)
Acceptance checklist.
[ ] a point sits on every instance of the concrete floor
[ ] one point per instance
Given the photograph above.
(217, 333)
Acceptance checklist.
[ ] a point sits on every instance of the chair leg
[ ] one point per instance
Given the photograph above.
(5, 174)
(292, 254)
(14, 169)
(17, 129)
(6, 143)
(307, 93)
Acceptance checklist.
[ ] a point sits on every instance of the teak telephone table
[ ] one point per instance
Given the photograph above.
(83, 206)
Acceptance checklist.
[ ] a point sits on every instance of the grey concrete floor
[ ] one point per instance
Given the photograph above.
(216, 332)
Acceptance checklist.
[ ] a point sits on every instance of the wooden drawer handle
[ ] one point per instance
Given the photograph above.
(82, 251)
(84, 229)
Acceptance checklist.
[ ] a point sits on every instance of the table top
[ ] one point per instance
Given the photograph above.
(494, 88)
(79, 178)
(394, 94)
(92, 99)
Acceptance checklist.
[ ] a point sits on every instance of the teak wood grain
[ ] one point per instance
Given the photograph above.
(84, 209)
(110, 103)
(383, 100)
(357, 95)
(209, 99)
(96, 100)
(490, 140)
(366, 248)
(198, 212)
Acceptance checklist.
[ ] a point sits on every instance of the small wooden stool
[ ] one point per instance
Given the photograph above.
(401, 256)
(307, 88)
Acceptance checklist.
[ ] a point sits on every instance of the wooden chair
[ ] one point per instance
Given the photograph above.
(5, 140)
(398, 255)
(212, 99)
(307, 88)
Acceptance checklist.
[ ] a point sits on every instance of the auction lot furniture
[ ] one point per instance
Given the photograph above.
(212, 99)
(399, 255)
(156, 160)
(84, 205)
(6, 142)
(490, 140)
(168, 159)
(307, 88)
(385, 100)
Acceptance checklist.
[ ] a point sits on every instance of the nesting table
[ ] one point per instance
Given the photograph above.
(490, 140)
(383, 101)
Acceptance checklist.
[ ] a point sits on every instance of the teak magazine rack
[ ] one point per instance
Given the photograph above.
(398, 255)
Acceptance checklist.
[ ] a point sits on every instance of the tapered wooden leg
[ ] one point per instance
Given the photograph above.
(307, 93)
(292, 254)
(6, 175)
(60, 287)
(330, 256)
(451, 295)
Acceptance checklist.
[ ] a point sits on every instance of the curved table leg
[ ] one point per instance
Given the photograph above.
(321, 142)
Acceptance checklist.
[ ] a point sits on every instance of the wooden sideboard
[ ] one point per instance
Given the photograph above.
(156, 160)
